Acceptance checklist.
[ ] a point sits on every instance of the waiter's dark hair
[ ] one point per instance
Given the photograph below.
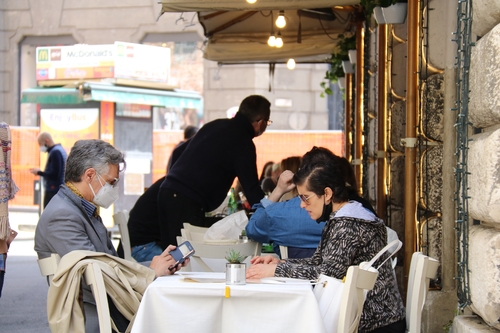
(255, 108)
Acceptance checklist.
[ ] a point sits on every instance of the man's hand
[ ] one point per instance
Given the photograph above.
(34, 171)
(164, 264)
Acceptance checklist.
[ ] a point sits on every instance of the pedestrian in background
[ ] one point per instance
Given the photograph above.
(189, 132)
(53, 175)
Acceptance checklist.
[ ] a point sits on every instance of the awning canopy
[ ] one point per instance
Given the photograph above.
(108, 92)
(232, 5)
(52, 96)
(94, 91)
(237, 31)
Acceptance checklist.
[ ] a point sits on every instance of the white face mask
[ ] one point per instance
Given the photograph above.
(106, 196)
(43, 149)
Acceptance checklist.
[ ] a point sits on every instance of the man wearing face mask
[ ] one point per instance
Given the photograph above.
(53, 175)
(71, 220)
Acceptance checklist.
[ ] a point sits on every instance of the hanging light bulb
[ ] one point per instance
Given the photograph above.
(280, 21)
(251, 1)
(290, 64)
(279, 41)
(271, 41)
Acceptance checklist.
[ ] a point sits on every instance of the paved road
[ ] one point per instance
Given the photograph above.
(24, 295)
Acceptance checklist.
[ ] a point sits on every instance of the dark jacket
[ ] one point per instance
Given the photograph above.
(221, 150)
(53, 175)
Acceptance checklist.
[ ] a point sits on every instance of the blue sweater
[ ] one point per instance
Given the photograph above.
(284, 223)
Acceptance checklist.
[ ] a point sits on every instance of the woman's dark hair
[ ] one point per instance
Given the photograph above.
(320, 169)
(266, 171)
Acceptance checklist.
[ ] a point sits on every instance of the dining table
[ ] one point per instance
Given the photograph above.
(203, 303)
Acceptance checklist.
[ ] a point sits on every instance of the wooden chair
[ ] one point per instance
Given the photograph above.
(284, 251)
(422, 269)
(92, 277)
(357, 284)
(121, 220)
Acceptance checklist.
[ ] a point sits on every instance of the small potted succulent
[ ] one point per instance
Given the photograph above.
(235, 268)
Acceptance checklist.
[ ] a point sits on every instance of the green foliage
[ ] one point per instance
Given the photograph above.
(344, 44)
(234, 257)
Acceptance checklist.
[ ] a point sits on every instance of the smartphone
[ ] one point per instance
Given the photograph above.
(182, 252)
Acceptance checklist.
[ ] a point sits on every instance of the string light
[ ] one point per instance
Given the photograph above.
(280, 21)
(290, 64)
(279, 41)
(271, 41)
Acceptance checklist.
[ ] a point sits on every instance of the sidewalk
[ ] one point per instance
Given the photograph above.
(24, 294)
(24, 223)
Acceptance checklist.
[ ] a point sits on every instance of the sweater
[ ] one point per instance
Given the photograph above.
(284, 223)
(351, 236)
(221, 150)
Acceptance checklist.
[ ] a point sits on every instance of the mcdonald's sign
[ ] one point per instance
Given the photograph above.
(43, 55)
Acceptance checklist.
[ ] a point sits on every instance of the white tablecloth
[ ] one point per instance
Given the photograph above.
(172, 304)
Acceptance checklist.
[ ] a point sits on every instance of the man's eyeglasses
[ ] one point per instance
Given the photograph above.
(306, 199)
(113, 182)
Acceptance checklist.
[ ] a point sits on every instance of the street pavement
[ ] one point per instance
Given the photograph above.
(23, 305)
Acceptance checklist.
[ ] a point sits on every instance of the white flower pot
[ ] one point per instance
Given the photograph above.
(348, 67)
(395, 14)
(379, 15)
(341, 82)
(236, 273)
(352, 56)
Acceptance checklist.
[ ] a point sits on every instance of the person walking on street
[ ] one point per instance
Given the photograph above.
(200, 179)
(53, 175)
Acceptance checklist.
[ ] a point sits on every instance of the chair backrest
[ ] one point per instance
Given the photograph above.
(194, 228)
(422, 269)
(191, 235)
(93, 277)
(284, 251)
(357, 284)
(215, 251)
(121, 220)
(48, 266)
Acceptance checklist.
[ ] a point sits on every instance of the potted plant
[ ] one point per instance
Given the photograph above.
(385, 11)
(339, 62)
(369, 5)
(235, 268)
(395, 13)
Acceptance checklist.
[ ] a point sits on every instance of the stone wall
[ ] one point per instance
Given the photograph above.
(484, 168)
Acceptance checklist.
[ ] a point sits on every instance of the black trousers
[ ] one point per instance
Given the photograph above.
(174, 209)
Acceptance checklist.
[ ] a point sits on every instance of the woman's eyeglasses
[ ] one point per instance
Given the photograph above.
(306, 199)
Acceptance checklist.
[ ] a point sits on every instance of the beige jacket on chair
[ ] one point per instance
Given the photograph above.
(125, 283)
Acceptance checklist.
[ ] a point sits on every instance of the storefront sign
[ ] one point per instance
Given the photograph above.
(145, 62)
(119, 60)
(74, 62)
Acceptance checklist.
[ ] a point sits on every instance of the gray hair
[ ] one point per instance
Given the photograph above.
(86, 154)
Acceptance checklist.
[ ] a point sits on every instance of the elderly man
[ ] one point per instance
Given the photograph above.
(71, 220)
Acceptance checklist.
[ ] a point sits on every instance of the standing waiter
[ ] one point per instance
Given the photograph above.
(203, 174)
